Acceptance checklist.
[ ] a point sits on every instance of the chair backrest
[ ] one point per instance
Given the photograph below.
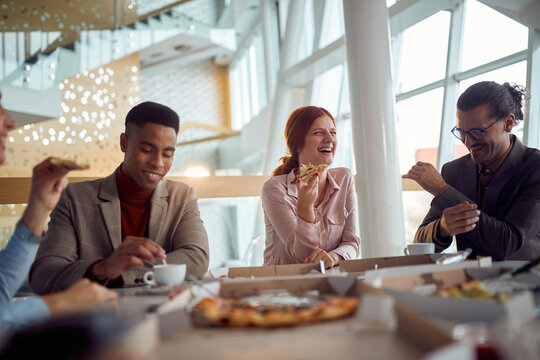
(254, 254)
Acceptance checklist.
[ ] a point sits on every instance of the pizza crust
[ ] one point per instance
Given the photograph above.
(71, 164)
(308, 171)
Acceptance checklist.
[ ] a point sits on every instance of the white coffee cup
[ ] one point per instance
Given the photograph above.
(419, 248)
(171, 274)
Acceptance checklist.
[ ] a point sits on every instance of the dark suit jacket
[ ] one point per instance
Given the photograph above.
(86, 226)
(509, 226)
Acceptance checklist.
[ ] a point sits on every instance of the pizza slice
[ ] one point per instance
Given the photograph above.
(230, 312)
(70, 164)
(307, 171)
(473, 289)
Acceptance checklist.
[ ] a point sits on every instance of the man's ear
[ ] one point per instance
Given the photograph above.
(509, 121)
(123, 142)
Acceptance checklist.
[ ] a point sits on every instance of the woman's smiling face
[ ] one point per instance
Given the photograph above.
(320, 142)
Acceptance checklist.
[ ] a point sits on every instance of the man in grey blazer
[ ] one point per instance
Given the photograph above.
(490, 198)
(109, 230)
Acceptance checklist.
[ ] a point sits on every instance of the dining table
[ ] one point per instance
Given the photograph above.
(348, 338)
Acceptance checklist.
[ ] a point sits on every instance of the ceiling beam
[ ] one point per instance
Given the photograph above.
(28, 106)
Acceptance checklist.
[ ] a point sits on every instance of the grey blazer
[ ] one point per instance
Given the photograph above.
(509, 226)
(86, 226)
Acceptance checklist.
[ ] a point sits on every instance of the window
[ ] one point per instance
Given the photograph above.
(305, 47)
(418, 128)
(489, 35)
(514, 73)
(326, 89)
(332, 26)
(247, 83)
(424, 49)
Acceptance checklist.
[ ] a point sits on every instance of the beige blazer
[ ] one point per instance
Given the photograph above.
(86, 226)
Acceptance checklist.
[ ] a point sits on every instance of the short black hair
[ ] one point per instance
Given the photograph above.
(151, 112)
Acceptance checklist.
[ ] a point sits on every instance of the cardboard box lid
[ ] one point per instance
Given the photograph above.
(362, 265)
(264, 271)
(294, 284)
(517, 310)
(399, 271)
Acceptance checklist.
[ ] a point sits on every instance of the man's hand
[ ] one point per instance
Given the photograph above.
(131, 253)
(330, 259)
(308, 190)
(48, 182)
(426, 176)
(84, 295)
(458, 219)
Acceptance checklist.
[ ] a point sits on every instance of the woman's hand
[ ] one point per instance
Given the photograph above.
(308, 190)
(48, 182)
(330, 259)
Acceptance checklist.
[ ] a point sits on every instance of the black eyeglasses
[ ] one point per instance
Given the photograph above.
(475, 134)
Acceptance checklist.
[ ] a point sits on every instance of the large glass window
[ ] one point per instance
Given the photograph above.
(305, 47)
(254, 81)
(326, 89)
(418, 127)
(489, 35)
(332, 26)
(424, 48)
(247, 84)
(516, 73)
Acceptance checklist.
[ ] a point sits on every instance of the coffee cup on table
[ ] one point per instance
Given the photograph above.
(419, 249)
(171, 274)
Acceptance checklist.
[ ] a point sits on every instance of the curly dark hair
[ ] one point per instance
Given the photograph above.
(502, 99)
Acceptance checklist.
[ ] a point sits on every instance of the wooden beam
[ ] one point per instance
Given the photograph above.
(210, 138)
(15, 190)
(217, 128)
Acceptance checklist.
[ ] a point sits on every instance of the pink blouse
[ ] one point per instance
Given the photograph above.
(290, 239)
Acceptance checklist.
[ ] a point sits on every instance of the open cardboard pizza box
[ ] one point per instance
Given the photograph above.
(381, 328)
(411, 290)
(413, 264)
(264, 271)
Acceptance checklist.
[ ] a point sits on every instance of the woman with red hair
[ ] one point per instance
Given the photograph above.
(310, 219)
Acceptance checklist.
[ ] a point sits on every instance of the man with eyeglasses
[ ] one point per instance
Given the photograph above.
(490, 198)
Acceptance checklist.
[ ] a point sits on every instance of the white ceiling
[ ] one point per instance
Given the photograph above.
(526, 12)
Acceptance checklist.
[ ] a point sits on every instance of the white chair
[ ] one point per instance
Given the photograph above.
(254, 254)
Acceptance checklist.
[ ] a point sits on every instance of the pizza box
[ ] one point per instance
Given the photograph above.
(264, 271)
(411, 291)
(409, 263)
(381, 328)
(359, 266)
(427, 268)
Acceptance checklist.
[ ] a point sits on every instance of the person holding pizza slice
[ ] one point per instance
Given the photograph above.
(48, 182)
(310, 210)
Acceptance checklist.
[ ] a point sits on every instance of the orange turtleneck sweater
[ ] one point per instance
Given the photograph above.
(135, 205)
